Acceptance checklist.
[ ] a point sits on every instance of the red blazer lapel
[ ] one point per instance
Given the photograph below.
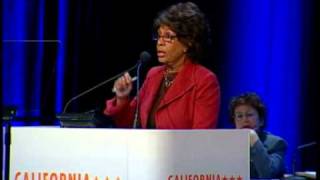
(153, 84)
(181, 85)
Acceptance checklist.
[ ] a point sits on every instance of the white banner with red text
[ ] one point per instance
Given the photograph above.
(53, 153)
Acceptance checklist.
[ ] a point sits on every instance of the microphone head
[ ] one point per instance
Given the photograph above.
(145, 57)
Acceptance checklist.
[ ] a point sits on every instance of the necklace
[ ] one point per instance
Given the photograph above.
(167, 81)
(168, 78)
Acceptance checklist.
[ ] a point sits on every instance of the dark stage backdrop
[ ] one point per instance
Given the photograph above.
(54, 50)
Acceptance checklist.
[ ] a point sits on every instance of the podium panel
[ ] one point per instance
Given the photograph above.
(40, 153)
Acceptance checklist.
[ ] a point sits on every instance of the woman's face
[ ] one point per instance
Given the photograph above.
(170, 50)
(245, 116)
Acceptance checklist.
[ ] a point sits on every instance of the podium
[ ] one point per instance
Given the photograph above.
(128, 154)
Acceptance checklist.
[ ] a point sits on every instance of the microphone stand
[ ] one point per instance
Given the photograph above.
(6, 119)
(144, 57)
(136, 114)
(96, 86)
(7, 148)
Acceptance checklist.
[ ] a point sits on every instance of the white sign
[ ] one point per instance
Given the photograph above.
(44, 153)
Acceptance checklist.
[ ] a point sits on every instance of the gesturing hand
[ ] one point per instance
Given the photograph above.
(123, 86)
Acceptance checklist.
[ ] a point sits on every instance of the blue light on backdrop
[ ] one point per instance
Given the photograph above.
(264, 56)
(264, 45)
(13, 19)
(37, 78)
(62, 31)
(23, 55)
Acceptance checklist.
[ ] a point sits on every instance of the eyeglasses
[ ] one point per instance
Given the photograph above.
(167, 38)
(239, 116)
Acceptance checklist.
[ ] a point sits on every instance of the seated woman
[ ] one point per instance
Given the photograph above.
(267, 151)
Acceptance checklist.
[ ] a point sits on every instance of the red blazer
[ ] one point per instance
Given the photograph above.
(192, 101)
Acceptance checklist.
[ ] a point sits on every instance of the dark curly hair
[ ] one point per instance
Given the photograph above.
(190, 25)
(251, 99)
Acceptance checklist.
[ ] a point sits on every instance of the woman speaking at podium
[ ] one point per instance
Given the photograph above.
(180, 93)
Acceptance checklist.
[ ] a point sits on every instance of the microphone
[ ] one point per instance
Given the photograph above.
(144, 57)
(299, 149)
(303, 146)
